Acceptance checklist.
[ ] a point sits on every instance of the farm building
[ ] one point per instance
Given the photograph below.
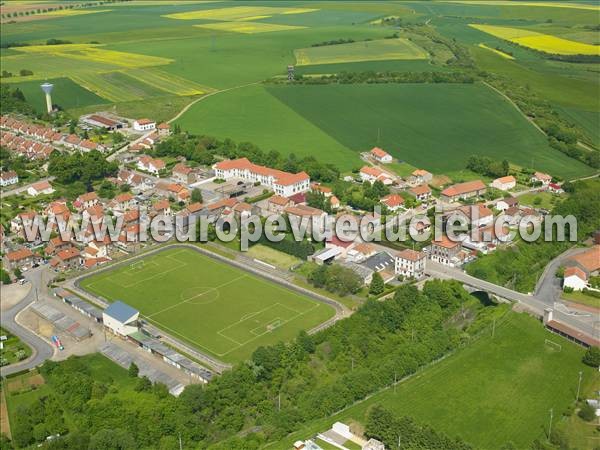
(462, 191)
(144, 125)
(103, 122)
(120, 318)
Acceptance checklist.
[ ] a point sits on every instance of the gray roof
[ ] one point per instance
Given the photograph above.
(362, 271)
(379, 261)
(120, 311)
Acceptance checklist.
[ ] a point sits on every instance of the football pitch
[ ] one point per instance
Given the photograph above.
(216, 307)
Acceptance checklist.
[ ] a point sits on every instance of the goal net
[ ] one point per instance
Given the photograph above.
(552, 345)
(137, 265)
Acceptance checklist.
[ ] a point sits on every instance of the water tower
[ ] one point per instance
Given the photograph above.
(47, 88)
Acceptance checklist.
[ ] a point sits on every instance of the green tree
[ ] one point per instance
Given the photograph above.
(377, 285)
(133, 370)
(17, 272)
(592, 356)
(587, 412)
(143, 384)
(196, 195)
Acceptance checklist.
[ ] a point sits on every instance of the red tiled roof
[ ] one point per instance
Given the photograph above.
(20, 254)
(569, 271)
(420, 189)
(463, 188)
(410, 255)
(378, 152)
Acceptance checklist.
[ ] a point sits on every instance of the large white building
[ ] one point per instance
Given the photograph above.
(144, 125)
(8, 178)
(120, 318)
(410, 263)
(283, 183)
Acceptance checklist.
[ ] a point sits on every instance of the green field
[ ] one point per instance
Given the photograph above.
(494, 391)
(436, 127)
(214, 306)
(379, 50)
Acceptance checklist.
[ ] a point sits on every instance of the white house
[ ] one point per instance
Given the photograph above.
(8, 178)
(372, 174)
(151, 165)
(120, 318)
(575, 278)
(505, 203)
(144, 125)
(381, 155)
(541, 177)
(283, 183)
(393, 202)
(422, 192)
(420, 176)
(504, 183)
(410, 263)
(42, 187)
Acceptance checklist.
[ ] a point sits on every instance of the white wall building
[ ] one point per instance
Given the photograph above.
(410, 263)
(120, 318)
(144, 125)
(283, 183)
(8, 178)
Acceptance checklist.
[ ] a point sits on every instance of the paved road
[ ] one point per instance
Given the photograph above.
(18, 190)
(41, 350)
(583, 322)
(126, 147)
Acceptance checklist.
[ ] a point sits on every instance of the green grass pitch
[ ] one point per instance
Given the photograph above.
(216, 307)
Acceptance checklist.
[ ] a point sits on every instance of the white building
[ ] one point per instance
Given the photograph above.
(381, 155)
(151, 165)
(283, 183)
(504, 183)
(372, 174)
(144, 125)
(120, 318)
(410, 263)
(8, 178)
(42, 187)
(575, 278)
(541, 177)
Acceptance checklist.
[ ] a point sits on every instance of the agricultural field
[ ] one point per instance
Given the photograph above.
(379, 50)
(215, 307)
(496, 390)
(538, 41)
(340, 121)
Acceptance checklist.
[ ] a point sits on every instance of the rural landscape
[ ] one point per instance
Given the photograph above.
(169, 174)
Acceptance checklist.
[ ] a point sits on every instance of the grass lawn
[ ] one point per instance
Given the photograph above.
(544, 200)
(581, 297)
(493, 391)
(216, 307)
(13, 349)
(272, 256)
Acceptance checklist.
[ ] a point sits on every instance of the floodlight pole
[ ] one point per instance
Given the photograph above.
(550, 427)
(579, 385)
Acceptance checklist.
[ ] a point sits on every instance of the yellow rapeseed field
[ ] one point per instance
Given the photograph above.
(496, 51)
(75, 12)
(538, 41)
(236, 13)
(247, 27)
(538, 4)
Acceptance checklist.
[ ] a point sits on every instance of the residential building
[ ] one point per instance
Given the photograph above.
(422, 192)
(8, 178)
(277, 203)
(410, 263)
(475, 215)
(372, 174)
(144, 125)
(587, 264)
(445, 251)
(151, 165)
(393, 202)
(22, 258)
(463, 191)
(504, 183)
(541, 177)
(86, 200)
(420, 176)
(283, 183)
(506, 203)
(41, 187)
(183, 173)
(164, 129)
(67, 259)
(123, 201)
(380, 155)
(575, 278)
(555, 188)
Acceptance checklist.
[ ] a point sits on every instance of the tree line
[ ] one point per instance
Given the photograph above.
(372, 77)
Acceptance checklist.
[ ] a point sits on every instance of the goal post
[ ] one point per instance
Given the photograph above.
(552, 345)
(137, 264)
